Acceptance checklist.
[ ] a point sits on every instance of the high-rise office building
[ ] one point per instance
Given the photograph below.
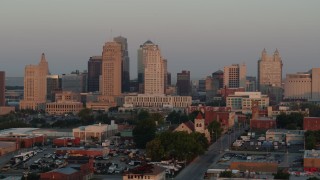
(53, 86)
(251, 84)
(94, 72)
(111, 69)
(140, 65)
(303, 86)
(75, 82)
(217, 78)
(183, 83)
(154, 69)
(168, 79)
(125, 63)
(269, 70)
(35, 85)
(234, 76)
(2, 88)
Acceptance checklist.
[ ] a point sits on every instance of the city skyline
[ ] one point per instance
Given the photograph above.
(216, 34)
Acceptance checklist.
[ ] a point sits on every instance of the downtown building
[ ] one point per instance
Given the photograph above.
(183, 83)
(303, 86)
(94, 73)
(154, 82)
(125, 66)
(110, 79)
(270, 76)
(234, 76)
(2, 88)
(35, 85)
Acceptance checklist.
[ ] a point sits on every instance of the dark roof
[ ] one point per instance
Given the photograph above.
(148, 42)
(218, 72)
(66, 170)
(148, 169)
(199, 116)
(190, 125)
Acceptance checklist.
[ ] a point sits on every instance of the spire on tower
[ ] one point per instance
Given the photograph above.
(276, 51)
(43, 57)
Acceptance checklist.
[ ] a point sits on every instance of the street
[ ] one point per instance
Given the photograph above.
(196, 169)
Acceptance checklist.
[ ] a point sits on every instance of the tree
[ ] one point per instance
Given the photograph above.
(86, 116)
(176, 145)
(155, 150)
(215, 130)
(226, 174)
(281, 175)
(144, 132)
(158, 118)
(143, 115)
(292, 121)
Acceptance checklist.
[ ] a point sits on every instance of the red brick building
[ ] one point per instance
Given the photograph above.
(71, 172)
(220, 114)
(263, 123)
(66, 141)
(311, 123)
(24, 141)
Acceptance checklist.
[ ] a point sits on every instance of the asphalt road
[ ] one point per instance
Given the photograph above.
(196, 169)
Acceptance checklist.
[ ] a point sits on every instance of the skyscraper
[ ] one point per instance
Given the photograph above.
(94, 72)
(217, 78)
(269, 70)
(154, 69)
(125, 63)
(53, 86)
(35, 85)
(111, 69)
(234, 76)
(183, 83)
(2, 88)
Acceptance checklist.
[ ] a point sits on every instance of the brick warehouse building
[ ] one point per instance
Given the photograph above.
(311, 123)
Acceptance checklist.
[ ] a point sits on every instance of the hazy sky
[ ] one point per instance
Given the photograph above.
(197, 35)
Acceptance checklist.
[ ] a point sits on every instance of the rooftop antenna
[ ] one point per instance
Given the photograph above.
(111, 34)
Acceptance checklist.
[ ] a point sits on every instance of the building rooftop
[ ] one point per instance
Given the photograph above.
(285, 131)
(66, 170)
(17, 131)
(190, 125)
(312, 154)
(148, 169)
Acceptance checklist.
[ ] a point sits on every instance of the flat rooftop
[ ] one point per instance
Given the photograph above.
(313, 154)
(17, 131)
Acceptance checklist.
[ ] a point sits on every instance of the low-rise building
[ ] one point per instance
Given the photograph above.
(242, 101)
(157, 101)
(311, 160)
(148, 171)
(66, 102)
(270, 167)
(198, 126)
(287, 136)
(223, 115)
(98, 132)
(23, 137)
(71, 172)
(7, 147)
(272, 113)
(263, 123)
(311, 123)
(6, 110)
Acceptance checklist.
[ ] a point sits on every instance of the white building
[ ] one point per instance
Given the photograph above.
(242, 101)
(160, 101)
(99, 131)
